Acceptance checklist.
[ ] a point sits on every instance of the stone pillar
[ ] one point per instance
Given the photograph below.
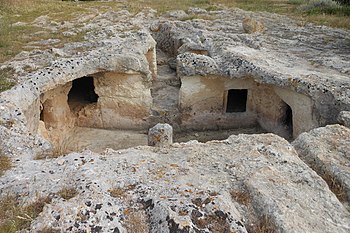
(160, 135)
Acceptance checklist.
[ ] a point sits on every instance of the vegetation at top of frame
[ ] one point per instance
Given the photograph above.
(15, 36)
(329, 7)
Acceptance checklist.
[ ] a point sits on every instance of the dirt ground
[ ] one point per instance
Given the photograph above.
(98, 140)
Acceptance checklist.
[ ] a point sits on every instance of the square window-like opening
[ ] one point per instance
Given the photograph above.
(236, 100)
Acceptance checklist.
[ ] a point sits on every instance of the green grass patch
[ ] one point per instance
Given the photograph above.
(18, 15)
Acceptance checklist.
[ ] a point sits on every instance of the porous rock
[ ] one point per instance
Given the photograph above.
(344, 118)
(327, 151)
(160, 135)
(220, 186)
(190, 187)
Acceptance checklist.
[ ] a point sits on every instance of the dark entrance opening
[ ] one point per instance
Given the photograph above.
(42, 114)
(288, 120)
(237, 100)
(82, 92)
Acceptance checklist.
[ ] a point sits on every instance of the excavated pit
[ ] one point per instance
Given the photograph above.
(208, 84)
(115, 110)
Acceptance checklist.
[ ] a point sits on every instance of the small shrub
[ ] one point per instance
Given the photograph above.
(242, 197)
(336, 187)
(343, 2)
(329, 7)
(121, 192)
(117, 192)
(5, 163)
(6, 78)
(67, 193)
(265, 225)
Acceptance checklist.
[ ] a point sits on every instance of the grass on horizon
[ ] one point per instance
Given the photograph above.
(14, 38)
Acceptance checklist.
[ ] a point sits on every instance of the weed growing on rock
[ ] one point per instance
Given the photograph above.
(67, 193)
(5, 78)
(16, 217)
(336, 187)
(242, 197)
(265, 226)
(120, 192)
(5, 163)
(117, 192)
(136, 221)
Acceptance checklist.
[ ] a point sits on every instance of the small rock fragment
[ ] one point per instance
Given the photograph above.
(251, 25)
(344, 118)
(160, 135)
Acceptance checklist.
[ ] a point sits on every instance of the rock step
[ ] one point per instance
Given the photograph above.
(327, 151)
(165, 92)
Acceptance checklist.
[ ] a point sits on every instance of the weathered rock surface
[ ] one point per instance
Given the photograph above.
(193, 186)
(160, 135)
(327, 151)
(235, 185)
(344, 118)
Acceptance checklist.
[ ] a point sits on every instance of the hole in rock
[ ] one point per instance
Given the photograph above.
(237, 100)
(128, 105)
(82, 93)
(42, 114)
(288, 120)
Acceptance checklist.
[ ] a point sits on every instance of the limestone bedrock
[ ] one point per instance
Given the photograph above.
(234, 185)
(160, 135)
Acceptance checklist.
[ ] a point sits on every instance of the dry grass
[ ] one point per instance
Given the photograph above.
(136, 221)
(336, 187)
(242, 197)
(5, 163)
(15, 217)
(120, 192)
(265, 226)
(14, 38)
(67, 193)
(48, 230)
(255, 224)
(5, 77)
(117, 192)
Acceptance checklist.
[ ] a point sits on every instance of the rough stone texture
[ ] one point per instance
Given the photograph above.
(344, 118)
(284, 56)
(184, 186)
(160, 135)
(287, 56)
(124, 102)
(213, 187)
(251, 26)
(327, 151)
(203, 102)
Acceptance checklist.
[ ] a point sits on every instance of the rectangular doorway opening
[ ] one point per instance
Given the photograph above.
(236, 100)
